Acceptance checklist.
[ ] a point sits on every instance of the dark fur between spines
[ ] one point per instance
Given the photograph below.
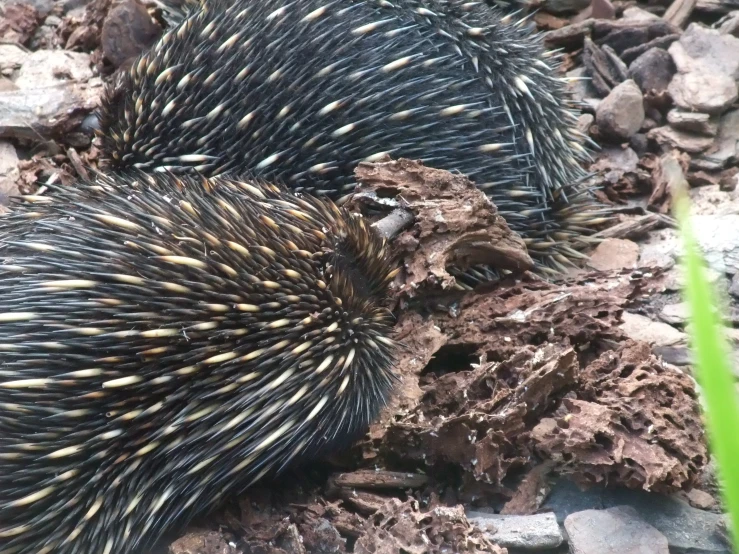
(165, 341)
(300, 92)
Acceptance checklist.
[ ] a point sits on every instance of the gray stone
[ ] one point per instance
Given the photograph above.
(621, 113)
(703, 90)
(675, 314)
(687, 529)
(653, 70)
(693, 122)
(635, 14)
(565, 6)
(581, 86)
(707, 48)
(727, 143)
(656, 333)
(584, 122)
(127, 31)
(612, 254)
(45, 68)
(718, 238)
(43, 7)
(729, 24)
(734, 288)
(617, 530)
(9, 172)
(687, 142)
(12, 59)
(534, 532)
(34, 113)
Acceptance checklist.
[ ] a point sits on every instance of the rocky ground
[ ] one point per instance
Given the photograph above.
(531, 416)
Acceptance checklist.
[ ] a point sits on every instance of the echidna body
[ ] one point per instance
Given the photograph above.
(166, 342)
(301, 92)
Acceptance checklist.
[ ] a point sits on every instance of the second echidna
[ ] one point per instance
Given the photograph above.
(167, 341)
(301, 92)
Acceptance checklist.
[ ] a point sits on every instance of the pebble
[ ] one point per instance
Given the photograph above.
(693, 122)
(128, 30)
(533, 532)
(655, 333)
(614, 254)
(685, 141)
(621, 113)
(653, 70)
(726, 150)
(703, 90)
(43, 7)
(734, 288)
(708, 68)
(9, 172)
(729, 25)
(559, 7)
(617, 530)
(718, 237)
(688, 530)
(34, 113)
(581, 86)
(700, 499)
(46, 68)
(707, 48)
(675, 314)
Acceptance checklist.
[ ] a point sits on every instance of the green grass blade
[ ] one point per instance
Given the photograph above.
(712, 367)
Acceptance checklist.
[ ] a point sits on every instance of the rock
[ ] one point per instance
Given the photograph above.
(584, 122)
(638, 15)
(196, 542)
(43, 7)
(726, 150)
(12, 59)
(718, 238)
(675, 314)
(128, 30)
(653, 70)
(559, 7)
(658, 250)
(49, 111)
(700, 499)
(18, 21)
(621, 113)
(734, 288)
(603, 9)
(45, 68)
(639, 143)
(687, 529)
(675, 355)
(656, 333)
(729, 24)
(581, 86)
(693, 122)
(534, 532)
(706, 48)
(703, 91)
(615, 254)
(614, 162)
(668, 137)
(708, 68)
(9, 172)
(618, 530)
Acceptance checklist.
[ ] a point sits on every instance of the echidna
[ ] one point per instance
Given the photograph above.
(301, 92)
(167, 341)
